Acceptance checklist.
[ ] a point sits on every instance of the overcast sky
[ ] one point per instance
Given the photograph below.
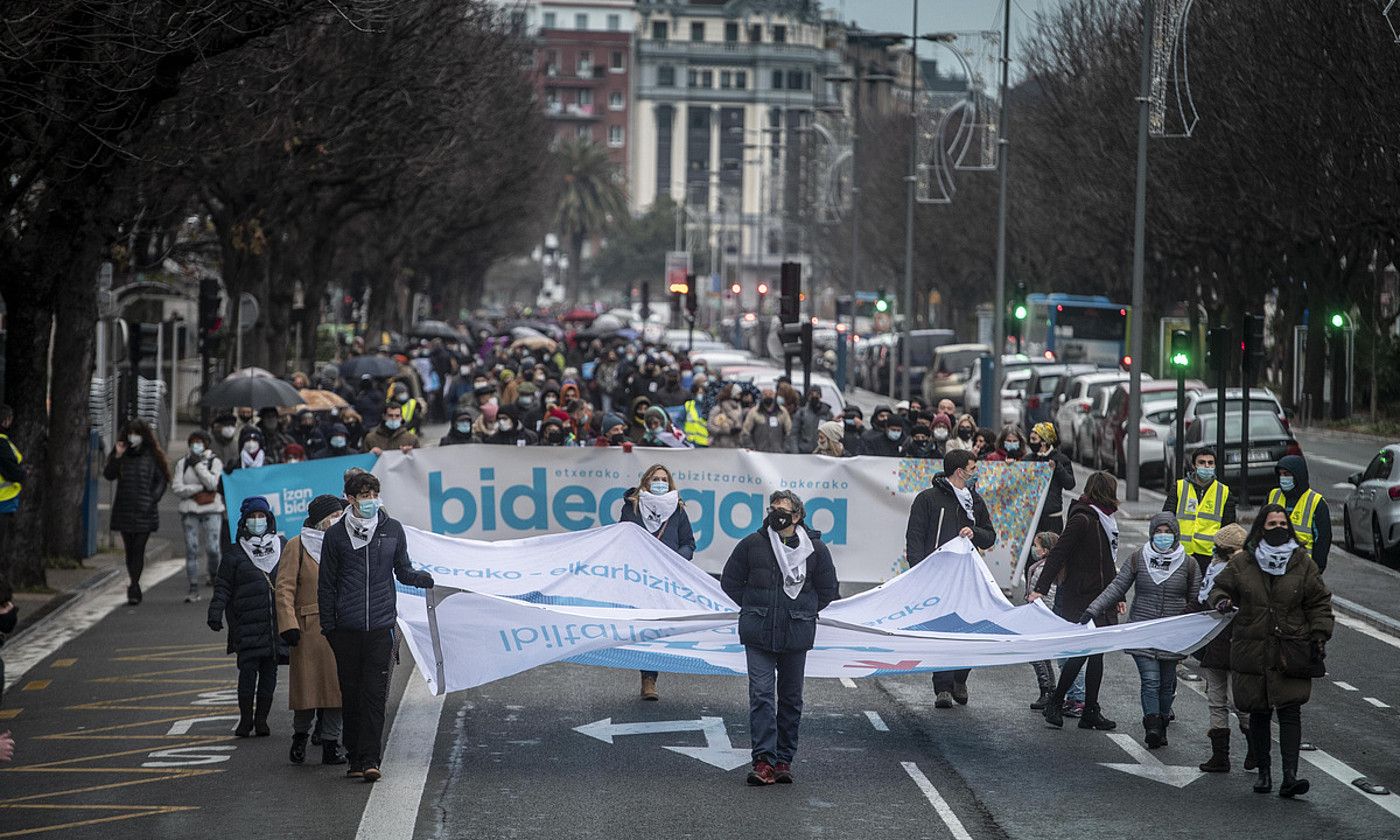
(941, 15)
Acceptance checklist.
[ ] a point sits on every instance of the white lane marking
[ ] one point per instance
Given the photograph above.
(1374, 702)
(1314, 458)
(877, 721)
(392, 810)
(1344, 686)
(1371, 615)
(1148, 766)
(1362, 627)
(950, 819)
(848, 682)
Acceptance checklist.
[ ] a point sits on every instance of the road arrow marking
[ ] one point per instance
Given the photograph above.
(717, 752)
(1148, 766)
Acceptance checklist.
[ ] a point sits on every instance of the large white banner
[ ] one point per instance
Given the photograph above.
(616, 597)
(861, 505)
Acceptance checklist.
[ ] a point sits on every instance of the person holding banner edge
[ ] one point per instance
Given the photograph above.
(782, 577)
(655, 505)
(949, 508)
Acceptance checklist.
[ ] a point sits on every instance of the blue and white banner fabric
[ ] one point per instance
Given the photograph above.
(616, 597)
(289, 488)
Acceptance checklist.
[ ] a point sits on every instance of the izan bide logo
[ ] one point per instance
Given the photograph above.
(538, 506)
(291, 501)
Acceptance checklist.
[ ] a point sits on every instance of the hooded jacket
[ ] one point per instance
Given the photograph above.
(1084, 556)
(768, 619)
(937, 516)
(244, 600)
(141, 483)
(877, 442)
(1322, 519)
(805, 422)
(356, 588)
(329, 451)
(1177, 595)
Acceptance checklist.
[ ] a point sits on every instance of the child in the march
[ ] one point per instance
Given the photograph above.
(243, 593)
(1044, 669)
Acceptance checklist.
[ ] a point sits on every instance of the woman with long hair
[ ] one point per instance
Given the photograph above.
(137, 464)
(655, 505)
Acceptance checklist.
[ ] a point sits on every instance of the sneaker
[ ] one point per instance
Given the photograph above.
(372, 774)
(782, 773)
(193, 595)
(1073, 709)
(354, 773)
(944, 700)
(960, 693)
(1042, 701)
(1054, 716)
(761, 774)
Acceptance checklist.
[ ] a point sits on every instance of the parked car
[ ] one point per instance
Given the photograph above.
(1013, 396)
(972, 389)
(952, 365)
(1074, 399)
(1086, 436)
(1205, 402)
(1154, 452)
(869, 352)
(1268, 442)
(1371, 513)
(1040, 389)
(1109, 450)
(922, 344)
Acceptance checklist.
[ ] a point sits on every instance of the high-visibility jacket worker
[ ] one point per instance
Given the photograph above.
(697, 431)
(1301, 513)
(11, 471)
(1200, 514)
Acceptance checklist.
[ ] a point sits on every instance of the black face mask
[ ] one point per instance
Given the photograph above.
(779, 520)
(555, 437)
(964, 434)
(815, 402)
(767, 402)
(617, 439)
(1276, 536)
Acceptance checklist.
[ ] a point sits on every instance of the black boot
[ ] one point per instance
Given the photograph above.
(1045, 680)
(298, 753)
(1219, 761)
(260, 715)
(330, 752)
(1292, 785)
(1265, 782)
(245, 717)
(1054, 712)
(133, 594)
(1166, 724)
(1152, 731)
(1043, 700)
(1093, 719)
(1250, 761)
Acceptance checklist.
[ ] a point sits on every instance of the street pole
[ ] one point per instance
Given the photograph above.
(911, 186)
(993, 412)
(1130, 440)
(850, 340)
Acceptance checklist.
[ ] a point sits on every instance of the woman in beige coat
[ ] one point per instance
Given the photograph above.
(315, 687)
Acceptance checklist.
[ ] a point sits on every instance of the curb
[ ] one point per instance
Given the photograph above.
(1366, 614)
(1340, 434)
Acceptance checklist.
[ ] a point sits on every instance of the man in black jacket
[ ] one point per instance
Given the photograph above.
(782, 577)
(949, 508)
(361, 555)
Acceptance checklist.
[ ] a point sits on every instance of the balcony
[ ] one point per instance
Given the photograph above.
(560, 111)
(736, 51)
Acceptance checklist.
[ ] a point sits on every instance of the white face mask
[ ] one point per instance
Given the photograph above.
(504, 425)
(227, 431)
(196, 449)
(133, 440)
(251, 447)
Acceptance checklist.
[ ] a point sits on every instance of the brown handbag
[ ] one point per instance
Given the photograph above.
(205, 497)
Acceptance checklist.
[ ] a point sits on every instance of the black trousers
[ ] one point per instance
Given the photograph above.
(134, 542)
(362, 662)
(1290, 736)
(1093, 679)
(257, 677)
(944, 680)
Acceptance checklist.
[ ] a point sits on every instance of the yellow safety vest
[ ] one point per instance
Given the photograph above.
(1199, 526)
(410, 408)
(1301, 515)
(696, 431)
(10, 489)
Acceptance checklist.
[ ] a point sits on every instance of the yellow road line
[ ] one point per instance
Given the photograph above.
(36, 685)
(62, 663)
(51, 794)
(9, 714)
(152, 811)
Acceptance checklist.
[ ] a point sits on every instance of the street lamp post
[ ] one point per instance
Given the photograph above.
(911, 188)
(1131, 444)
(993, 411)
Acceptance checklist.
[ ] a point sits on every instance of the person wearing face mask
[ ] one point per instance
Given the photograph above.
(354, 429)
(644, 381)
(293, 453)
(661, 432)
(195, 481)
(527, 403)
(251, 453)
(362, 554)
(726, 421)
(314, 687)
(510, 431)
(274, 440)
(963, 430)
(697, 430)
(1307, 509)
(919, 443)
(1045, 668)
(888, 436)
(368, 402)
(951, 507)
(307, 431)
(337, 444)
(829, 439)
(671, 392)
(1279, 640)
(554, 431)
(1165, 582)
(612, 431)
(580, 423)
(805, 422)
(782, 577)
(138, 465)
(246, 417)
(852, 431)
(461, 431)
(1042, 448)
(1202, 506)
(409, 406)
(637, 423)
(1009, 446)
(243, 595)
(941, 430)
(223, 439)
(949, 410)
(766, 426)
(391, 433)
(1214, 657)
(655, 505)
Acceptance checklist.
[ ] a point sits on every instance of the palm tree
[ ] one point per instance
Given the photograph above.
(591, 199)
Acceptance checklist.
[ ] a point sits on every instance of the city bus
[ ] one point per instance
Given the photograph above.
(1076, 329)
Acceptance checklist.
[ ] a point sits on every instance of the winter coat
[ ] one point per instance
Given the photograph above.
(768, 619)
(356, 586)
(140, 484)
(225, 450)
(766, 431)
(805, 421)
(193, 476)
(1295, 605)
(381, 438)
(1061, 479)
(675, 533)
(937, 516)
(1084, 557)
(672, 394)
(1216, 652)
(1177, 595)
(852, 440)
(877, 442)
(313, 684)
(243, 600)
(725, 424)
(455, 438)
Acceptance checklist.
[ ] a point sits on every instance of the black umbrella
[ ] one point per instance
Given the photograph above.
(379, 367)
(252, 391)
(434, 329)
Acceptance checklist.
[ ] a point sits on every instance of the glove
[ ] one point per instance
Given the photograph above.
(291, 636)
(1321, 647)
(1225, 605)
(215, 625)
(423, 581)
(1086, 617)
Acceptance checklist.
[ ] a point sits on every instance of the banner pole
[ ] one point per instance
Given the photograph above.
(433, 599)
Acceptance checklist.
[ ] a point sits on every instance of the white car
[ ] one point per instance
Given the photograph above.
(972, 390)
(1079, 398)
(1013, 395)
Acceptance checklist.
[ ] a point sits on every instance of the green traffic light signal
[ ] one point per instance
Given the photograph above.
(1180, 360)
(1338, 320)
(1020, 312)
(882, 305)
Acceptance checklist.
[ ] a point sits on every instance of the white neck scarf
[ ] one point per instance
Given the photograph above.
(262, 550)
(254, 461)
(964, 495)
(1162, 566)
(1208, 579)
(657, 509)
(311, 541)
(1110, 529)
(1274, 559)
(793, 561)
(360, 530)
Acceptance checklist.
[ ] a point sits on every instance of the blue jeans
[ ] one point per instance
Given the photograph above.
(774, 734)
(201, 537)
(1076, 691)
(1158, 684)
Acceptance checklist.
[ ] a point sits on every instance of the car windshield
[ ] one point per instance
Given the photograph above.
(958, 360)
(1046, 384)
(1262, 424)
(1233, 405)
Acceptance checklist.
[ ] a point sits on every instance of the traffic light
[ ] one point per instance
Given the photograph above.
(1181, 350)
(1019, 310)
(682, 287)
(736, 289)
(692, 300)
(1338, 321)
(1218, 342)
(790, 292)
(1253, 344)
(645, 309)
(882, 303)
(210, 319)
(142, 348)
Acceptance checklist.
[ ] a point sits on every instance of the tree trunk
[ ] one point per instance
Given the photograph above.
(69, 422)
(29, 324)
(572, 288)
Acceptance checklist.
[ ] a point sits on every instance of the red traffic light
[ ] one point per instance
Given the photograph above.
(763, 288)
(736, 288)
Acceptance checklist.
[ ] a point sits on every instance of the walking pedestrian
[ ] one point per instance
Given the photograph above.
(805, 422)
(1044, 669)
(1307, 509)
(251, 453)
(9, 618)
(392, 432)
(243, 594)
(137, 464)
(1280, 637)
(1085, 554)
(767, 425)
(314, 687)
(1165, 582)
(223, 439)
(1042, 440)
(782, 577)
(361, 556)
(1202, 506)
(461, 431)
(1215, 661)
(1009, 445)
(726, 419)
(12, 475)
(655, 505)
(830, 437)
(196, 482)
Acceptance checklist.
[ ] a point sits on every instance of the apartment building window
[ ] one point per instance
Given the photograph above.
(616, 101)
(780, 34)
(660, 30)
(665, 76)
(756, 32)
(618, 62)
(614, 23)
(726, 80)
(731, 32)
(692, 78)
(697, 30)
(585, 98)
(581, 21)
(741, 79)
(551, 63)
(707, 78)
(665, 117)
(585, 62)
(615, 136)
(777, 80)
(795, 80)
(584, 133)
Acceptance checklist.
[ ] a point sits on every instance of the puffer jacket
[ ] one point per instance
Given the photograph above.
(1084, 557)
(768, 619)
(140, 485)
(1174, 596)
(243, 600)
(193, 476)
(805, 422)
(356, 589)
(676, 533)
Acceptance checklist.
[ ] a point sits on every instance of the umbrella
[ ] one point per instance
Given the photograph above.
(318, 400)
(535, 342)
(251, 371)
(434, 329)
(608, 323)
(525, 332)
(579, 315)
(380, 367)
(252, 391)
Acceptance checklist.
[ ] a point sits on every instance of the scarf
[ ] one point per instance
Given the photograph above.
(360, 530)
(964, 495)
(311, 541)
(1110, 529)
(255, 461)
(656, 509)
(1208, 579)
(1162, 566)
(792, 561)
(263, 551)
(1274, 559)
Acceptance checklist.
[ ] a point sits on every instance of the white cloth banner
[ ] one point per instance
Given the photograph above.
(616, 597)
(503, 492)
